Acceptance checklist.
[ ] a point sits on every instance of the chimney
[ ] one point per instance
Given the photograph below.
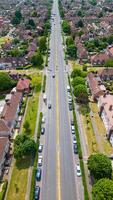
(110, 107)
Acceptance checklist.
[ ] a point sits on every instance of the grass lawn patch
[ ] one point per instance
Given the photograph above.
(75, 65)
(101, 129)
(88, 129)
(31, 113)
(18, 184)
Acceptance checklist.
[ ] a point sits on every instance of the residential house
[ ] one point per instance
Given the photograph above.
(99, 59)
(95, 85)
(23, 85)
(4, 150)
(106, 74)
(105, 104)
(110, 51)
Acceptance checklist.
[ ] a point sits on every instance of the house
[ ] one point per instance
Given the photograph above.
(11, 109)
(23, 85)
(106, 74)
(105, 104)
(110, 51)
(95, 85)
(99, 59)
(4, 150)
(4, 129)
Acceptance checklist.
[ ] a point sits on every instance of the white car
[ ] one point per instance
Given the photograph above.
(72, 129)
(40, 148)
(39, 162)
(43, 119)
(78, 170)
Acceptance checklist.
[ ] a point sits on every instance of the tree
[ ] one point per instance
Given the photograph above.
(66, 27)
(69, 41)
(37, 60)
(80, 24)
(6, 82)
(23, 146)
(103, 190)
(80, 92)
(109, 63)
(18, 14)
(27, 127)
(100, 166)
(72, 51)
(42, 44)
(78, 72)
(31, 24)
(78, 80)
(17, 17)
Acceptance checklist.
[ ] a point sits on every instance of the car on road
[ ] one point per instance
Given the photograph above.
(70, 107)
(78, 170)
(43, 119)
(75, 148)
(68, 88)
(40, 161)
(72, 129)
(53, 75)
(74, 140)
(49, 106)
(38, 174)
(37, 192)
(40, 148)
(72, 122)
(42, 131)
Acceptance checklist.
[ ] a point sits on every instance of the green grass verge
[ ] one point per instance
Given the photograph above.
(79, 148)
(4, 188)
(44, 84)
(36, 159)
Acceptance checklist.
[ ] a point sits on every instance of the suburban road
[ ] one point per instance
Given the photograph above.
(59, 181)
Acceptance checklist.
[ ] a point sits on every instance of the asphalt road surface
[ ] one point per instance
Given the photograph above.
(59, 181)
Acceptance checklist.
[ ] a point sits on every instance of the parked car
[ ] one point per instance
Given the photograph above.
(72, 122)
(40, 148)
(74, 140)
(70, 107)
(39, 162)
(38, 174)
(75, 148)
(43, 119)
(49, 106)
(42, 131)
(78, 170)
(53, 75)
(37, 192)
(72, 129)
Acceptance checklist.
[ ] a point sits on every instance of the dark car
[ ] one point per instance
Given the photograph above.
(49, 106)
(38, 174)
(37, 192)
(42, 131)
(53, 75)
(75, 148)
(72, 122)
(70, 107)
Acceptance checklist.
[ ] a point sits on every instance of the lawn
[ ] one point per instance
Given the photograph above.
(75, 65)
(101, 129)
(4, 40)
(88, 130)
(31, 113)
(18, 182)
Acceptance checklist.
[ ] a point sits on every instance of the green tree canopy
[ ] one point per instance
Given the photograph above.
(6, 82)
(80, 23)
(80, 92)
(37, 60)
(17, 17)
(42, 44)
(103, 190)
(23, 146)
(109, 63)
(72, 51)
(100, 166)
(66, 27)
(78, 80)
(31, 24)
(78, 72)
(69, 41)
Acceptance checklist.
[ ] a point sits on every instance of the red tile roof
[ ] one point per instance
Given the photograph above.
(3, 126)
(23, 84)
(3, 143)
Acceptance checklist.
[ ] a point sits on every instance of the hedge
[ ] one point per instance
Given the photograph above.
(44, 84)
(79, 148)
(35, 159)
(3, 192)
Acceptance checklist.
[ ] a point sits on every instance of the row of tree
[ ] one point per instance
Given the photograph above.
(101, 170)
(79, 86)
